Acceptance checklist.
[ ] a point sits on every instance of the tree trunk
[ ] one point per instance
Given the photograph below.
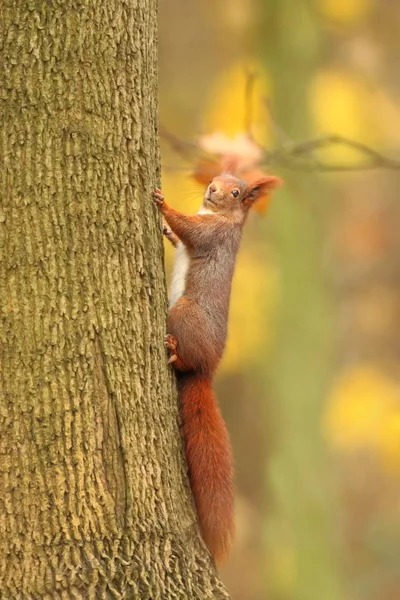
(94, 497)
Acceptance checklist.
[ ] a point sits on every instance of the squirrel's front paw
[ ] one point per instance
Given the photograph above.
(158, 196)
(170, 235)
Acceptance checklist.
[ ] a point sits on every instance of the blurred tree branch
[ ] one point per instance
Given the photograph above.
(300, 156)
(288, 155)
(180, 146)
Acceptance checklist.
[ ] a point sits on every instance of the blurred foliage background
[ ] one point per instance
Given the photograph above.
(310, 384)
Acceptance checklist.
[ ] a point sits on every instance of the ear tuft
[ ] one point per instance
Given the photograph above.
(261, 187)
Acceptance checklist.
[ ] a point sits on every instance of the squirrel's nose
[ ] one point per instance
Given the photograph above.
(212, 188)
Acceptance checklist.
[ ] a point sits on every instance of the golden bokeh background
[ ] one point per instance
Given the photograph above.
(310, 383)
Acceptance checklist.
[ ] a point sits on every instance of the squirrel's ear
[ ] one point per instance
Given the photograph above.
(260, 187)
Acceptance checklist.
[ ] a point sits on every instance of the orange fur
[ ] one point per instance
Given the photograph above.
(209, 458)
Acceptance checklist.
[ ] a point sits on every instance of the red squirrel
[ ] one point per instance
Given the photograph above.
(207, 244)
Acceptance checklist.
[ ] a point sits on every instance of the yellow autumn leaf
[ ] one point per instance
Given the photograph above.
(364, 412)
(341, 105)
(227, 106)
(388, 443)
(346, 12)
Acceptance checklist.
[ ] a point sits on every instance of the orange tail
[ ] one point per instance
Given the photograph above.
(209, 457)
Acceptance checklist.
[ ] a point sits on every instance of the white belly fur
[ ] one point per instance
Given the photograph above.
(181, 267)
(179, 273)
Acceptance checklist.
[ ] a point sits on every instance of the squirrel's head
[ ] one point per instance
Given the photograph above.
(227, 193)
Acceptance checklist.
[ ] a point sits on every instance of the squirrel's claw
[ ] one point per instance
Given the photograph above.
(170, 235)
(158, 196)
(171, 343)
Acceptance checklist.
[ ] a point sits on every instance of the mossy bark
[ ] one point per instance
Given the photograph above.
(94, 500)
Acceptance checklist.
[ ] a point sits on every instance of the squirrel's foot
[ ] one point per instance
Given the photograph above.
(171, 343)
(167, 231)
(158, 196)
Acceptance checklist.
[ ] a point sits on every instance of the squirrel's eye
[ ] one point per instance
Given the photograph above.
(235, 193)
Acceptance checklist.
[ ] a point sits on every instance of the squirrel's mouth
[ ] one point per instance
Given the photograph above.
(210, 200)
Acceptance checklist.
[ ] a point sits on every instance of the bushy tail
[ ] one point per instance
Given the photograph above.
(209, 458)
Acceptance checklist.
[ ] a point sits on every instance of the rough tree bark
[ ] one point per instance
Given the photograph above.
(94, 501)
